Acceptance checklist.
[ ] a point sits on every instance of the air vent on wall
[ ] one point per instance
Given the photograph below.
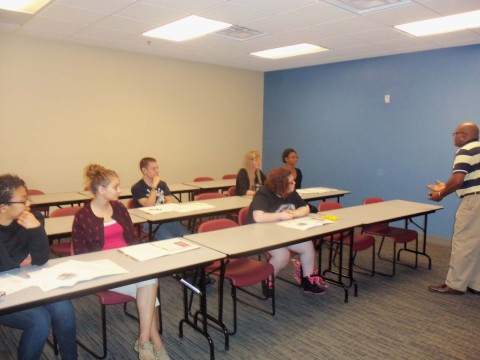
(367, 6)
(238, 32)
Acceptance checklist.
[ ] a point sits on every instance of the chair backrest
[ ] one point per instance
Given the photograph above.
(203, 178)
(72, 210)
(229, 176)
(131, 204)
(34, 192)
(242, 216)
(217, 224)
(329, 205)
(231, 191)
(372, 200)
(209, 195)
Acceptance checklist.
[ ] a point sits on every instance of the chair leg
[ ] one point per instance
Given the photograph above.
(104, 337)
(265, 310)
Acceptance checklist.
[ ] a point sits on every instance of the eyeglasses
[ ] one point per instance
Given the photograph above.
(18, 202)
(461, 132)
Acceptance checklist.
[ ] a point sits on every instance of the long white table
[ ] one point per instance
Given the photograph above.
(137, 271)
(213, 185)
(310, 194)
(57, 199)
(392, 210)
(224, 205)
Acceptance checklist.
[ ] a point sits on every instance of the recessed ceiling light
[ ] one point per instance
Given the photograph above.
(287, 51)
(463, 21)
(24, 6)
(187, 28)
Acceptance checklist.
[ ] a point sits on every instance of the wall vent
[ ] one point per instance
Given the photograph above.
(367, 6)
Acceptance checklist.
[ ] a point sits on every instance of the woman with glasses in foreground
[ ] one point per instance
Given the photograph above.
(277, 200)
(23, 242)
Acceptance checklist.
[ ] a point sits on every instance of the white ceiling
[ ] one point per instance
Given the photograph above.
(119, 24)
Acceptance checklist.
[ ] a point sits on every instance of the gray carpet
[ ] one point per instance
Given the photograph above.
(392, 318)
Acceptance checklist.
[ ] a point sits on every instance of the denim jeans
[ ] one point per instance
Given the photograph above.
(36, 323)
(168, 230)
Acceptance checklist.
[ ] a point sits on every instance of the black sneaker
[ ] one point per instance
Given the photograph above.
(311, 285)
(267, 289)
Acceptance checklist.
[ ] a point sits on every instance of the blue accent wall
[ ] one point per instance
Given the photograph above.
(347, 137)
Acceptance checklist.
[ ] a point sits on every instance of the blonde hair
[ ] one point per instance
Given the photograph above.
(248, 159)
(96, 175)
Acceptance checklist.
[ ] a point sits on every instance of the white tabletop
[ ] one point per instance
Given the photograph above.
(255, 238)
(390, 210)
(137, 271)
(221, 206)
(54, 199)
(330, 193)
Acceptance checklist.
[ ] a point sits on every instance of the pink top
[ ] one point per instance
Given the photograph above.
(113, 234)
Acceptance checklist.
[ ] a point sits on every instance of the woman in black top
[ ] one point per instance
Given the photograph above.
(250, 178)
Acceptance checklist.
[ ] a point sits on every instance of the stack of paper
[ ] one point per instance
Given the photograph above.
(70, 272)
(304, 223)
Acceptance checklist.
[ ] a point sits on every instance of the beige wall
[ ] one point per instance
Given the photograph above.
(63, 106)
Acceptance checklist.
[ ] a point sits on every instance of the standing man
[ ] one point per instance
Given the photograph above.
(150, 191)
(464, 267)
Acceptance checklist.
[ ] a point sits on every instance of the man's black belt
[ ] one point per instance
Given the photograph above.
(472, 193)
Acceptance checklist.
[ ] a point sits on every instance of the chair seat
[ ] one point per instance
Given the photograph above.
(112, 298)
(376, 229)
(362, 242)
(61, 249)
(246, 272)
(401, 235)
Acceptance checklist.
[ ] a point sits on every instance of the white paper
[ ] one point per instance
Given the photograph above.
(152, 250)
(10, 283)
(194, 206)
(160, 209)
(176, 207)
(70, 272)
(304, 223)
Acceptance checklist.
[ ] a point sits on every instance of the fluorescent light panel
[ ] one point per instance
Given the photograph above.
(187, 28)
(463, 21)
(288, 51)
(24, 6)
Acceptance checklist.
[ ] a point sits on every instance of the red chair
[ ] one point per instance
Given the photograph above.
(242, 220)
(43, 209)
(242, 216)
(231, 191)
(203, 178)
(63, 248)
(398, 235)
(229, 176)
(241, 272)
(360, 241)
(109, 297)
(209, 195)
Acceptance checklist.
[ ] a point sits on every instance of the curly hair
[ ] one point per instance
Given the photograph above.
(96, 175)
(8, 184)
(278, 181)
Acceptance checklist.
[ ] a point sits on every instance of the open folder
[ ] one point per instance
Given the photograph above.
(152, 250)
